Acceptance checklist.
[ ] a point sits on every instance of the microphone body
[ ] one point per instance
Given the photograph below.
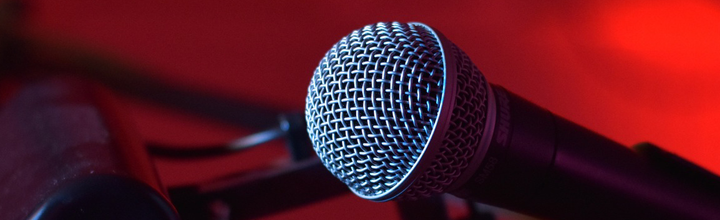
(546, 166)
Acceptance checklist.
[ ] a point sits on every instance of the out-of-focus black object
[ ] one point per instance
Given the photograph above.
(105, 197)
(258, 193)
(66, 152)
(680, 168)
(263, 192)
(429, 208)
(297, 141)
(476, 212)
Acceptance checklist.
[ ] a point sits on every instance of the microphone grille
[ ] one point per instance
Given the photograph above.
(374, 104)
(463, 135)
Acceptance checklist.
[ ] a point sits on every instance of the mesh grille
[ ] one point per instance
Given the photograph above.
(373, 103)
(462, 138)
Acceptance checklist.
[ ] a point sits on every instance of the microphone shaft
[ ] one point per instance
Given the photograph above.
(546, 166)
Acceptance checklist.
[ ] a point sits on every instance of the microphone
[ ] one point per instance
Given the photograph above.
(397, 111)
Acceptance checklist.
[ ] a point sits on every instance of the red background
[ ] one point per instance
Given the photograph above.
(632, 70)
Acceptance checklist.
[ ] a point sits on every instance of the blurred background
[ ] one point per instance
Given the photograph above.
(633, 70)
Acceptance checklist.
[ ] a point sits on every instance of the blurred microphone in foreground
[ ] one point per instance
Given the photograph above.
(397, 111)
(67, 151)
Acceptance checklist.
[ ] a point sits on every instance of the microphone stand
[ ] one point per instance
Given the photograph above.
(302, 181)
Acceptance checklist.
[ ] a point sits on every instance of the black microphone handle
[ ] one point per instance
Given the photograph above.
(543, 165)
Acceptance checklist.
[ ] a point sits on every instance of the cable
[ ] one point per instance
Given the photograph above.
(197, 152)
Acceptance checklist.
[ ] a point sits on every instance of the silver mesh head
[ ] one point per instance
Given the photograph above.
(389, 118)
